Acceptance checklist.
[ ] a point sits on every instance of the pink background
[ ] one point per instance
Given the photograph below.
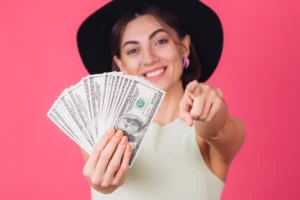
(258, 74)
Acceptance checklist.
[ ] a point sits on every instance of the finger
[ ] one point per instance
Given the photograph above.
(185, 116)
(197, 108)
(208, 103)
(220, 94)
(107, 154)
(124, 166)
(214, 109)
(185, 103)
(190, 88)
(184, 109)
(100, 145)
(115, 162)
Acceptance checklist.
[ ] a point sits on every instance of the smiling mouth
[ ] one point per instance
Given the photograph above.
(155, 73)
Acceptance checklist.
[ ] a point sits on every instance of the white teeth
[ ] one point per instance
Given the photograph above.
(155, 73)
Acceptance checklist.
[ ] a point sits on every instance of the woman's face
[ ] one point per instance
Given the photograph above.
(152, 50)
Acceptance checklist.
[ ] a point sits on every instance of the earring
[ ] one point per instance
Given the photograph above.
(186, 62)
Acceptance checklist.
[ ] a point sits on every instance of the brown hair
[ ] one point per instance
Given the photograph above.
(189, 74)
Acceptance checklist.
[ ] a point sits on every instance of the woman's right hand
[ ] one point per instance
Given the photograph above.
(107, 165)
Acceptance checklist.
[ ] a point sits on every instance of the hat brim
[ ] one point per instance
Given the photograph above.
(201, 22)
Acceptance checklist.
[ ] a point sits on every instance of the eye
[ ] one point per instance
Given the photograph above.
(162, 41)
(132, 51)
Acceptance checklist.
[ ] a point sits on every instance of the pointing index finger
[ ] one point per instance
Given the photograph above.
(190, 88)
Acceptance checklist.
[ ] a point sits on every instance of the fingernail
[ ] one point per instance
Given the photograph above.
(110, 131)
(128, 148)
(119, 132)
(123, 141)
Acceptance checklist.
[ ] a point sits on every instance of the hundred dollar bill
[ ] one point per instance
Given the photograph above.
(118, 85)
(96, 83)
(64, 114)
(118, 95)
(136, 113)
(79, 99)
(61, 123)
(106, 96)
(127, 83)
(70, 124)
(124, 90)
(86, 84)
(66, 101)
(115, 79)
(60, 120)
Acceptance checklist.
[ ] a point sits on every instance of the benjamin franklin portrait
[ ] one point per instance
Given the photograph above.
(132, 127)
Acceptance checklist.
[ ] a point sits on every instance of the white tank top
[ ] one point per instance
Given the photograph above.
(168, 165)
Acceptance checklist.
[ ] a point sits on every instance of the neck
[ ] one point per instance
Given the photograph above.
(169, 107)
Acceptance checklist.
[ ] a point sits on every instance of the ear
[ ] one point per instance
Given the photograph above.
(186, 42)
(119, 63)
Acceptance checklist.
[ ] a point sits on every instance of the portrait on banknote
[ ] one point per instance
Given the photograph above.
(132, 126)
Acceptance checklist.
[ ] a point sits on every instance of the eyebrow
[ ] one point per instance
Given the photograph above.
(150, 37)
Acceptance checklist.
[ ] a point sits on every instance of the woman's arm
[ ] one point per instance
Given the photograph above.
(225, 134)
(203, 105)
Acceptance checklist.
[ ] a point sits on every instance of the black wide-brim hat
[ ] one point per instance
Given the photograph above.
(200, 21)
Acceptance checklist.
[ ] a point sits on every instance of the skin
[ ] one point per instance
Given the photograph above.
(147, 44)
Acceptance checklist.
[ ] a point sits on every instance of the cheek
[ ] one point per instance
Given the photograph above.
(176, 63)
(172, 56)
(131, 66)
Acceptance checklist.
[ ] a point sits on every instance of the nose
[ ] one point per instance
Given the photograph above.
(149, 57)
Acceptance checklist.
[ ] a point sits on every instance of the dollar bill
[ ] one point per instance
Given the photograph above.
(98, 102)
(63, 123)
(80, 101)
(66, 101)
(85, 82)
(117, 90)
(115, 79)
(96, 83)
(105, 101)
(136, 112)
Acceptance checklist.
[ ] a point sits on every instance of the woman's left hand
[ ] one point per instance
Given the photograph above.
(199, 102)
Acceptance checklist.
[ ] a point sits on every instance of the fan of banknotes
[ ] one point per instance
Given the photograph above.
(102, 101)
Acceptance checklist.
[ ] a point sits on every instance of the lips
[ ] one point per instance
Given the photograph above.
(155, 72)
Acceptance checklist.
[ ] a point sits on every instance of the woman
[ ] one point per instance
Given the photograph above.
(188, 148)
